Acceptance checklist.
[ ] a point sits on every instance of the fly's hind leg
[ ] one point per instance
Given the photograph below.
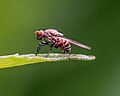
(69, 53)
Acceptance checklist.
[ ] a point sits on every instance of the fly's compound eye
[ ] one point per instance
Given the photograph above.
(39, 33)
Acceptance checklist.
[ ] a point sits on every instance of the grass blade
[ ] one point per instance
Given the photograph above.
(19, 60)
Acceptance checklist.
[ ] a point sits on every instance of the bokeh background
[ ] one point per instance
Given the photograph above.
(92, 22)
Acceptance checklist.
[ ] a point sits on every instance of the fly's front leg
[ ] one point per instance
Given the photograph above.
(38, 49)
(42, 43)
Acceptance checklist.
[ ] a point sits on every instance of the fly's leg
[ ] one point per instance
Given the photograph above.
(38, 49)
(49, 52)
(64, 53)
(52, 46)
(69, 54)
(42, 43)
(67, 51)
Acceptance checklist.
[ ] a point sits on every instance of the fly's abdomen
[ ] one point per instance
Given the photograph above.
(66, 46)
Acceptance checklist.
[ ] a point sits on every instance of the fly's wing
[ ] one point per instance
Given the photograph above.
(53, 32)
(77, 43)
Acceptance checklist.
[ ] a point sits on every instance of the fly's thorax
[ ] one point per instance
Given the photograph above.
(53, 32)
(51, 40)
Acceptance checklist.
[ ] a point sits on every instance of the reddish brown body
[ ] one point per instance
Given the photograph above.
(56, 40)
(60, 42)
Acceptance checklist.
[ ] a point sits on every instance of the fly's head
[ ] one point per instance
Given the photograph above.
(39, 34)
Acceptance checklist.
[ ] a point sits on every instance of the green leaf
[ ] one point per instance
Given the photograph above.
(19, 60)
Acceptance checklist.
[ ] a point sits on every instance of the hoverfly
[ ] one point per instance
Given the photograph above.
(55, 39)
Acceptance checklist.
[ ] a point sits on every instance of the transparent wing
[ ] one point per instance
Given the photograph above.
(77, 43)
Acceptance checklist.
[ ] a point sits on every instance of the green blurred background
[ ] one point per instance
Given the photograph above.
(92, 22)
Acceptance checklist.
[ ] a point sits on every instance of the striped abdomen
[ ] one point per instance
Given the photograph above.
(63, 44)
